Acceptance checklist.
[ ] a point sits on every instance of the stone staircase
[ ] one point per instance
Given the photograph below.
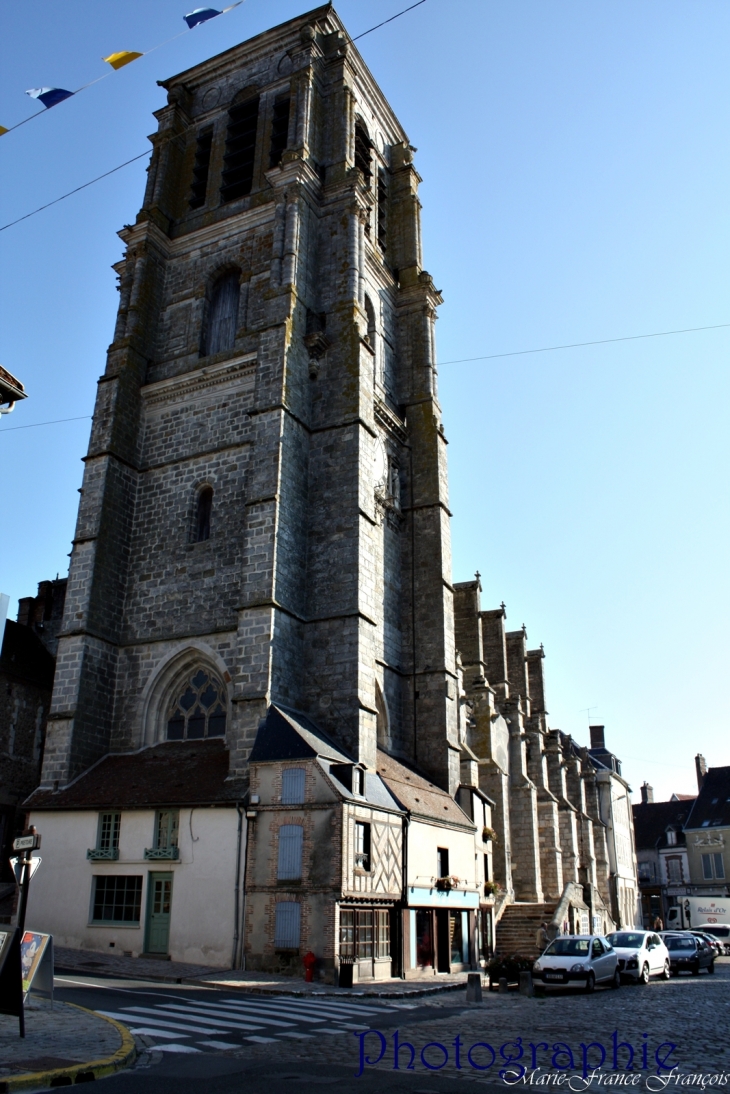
(517, 929)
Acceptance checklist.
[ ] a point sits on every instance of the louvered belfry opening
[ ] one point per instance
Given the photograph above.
(382, 211)
(202, 514)
(222, 321)
(363, 144)
(201, 169)
(279, 131)
(240, 153)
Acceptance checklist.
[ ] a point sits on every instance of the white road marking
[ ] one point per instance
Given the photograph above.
(218, 1044)
(262, 1040)
(205, 1017)
(154, 1021)
(150, 1032)
(176, 1048)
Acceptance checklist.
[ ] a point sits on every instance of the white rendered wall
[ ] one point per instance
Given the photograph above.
(424, 839)
(203, 891)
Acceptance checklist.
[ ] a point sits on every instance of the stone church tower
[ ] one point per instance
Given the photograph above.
(264, 513)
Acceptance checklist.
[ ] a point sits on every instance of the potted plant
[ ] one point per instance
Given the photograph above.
(507, 966)
(445, 884)
(489, 834)
(491, 888)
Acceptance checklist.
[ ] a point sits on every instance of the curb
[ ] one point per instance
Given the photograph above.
(300, 992)
(78, 1073)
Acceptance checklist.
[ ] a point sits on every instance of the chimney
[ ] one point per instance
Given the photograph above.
(647, 794)
(597, 737)
(701, 769)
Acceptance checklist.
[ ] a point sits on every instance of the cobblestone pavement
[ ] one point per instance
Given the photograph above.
(55, 1036)
(692, 1013)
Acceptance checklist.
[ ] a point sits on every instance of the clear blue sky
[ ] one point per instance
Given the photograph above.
(575, 164)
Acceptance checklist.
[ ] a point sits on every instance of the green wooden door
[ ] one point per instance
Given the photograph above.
(159, 902)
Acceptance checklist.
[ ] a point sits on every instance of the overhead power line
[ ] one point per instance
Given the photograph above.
(576, 345)
(106, 174)
(463, 360)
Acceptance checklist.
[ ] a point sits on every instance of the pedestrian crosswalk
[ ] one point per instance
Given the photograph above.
(203, 1023)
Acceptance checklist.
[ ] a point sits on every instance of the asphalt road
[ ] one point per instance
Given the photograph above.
(199, 1038)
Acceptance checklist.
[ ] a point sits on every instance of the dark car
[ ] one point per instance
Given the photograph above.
(714, 943)
(687, 953)
(720, 931)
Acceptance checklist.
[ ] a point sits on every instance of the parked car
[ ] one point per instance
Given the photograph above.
(687, 953)
(641, 954)
(714, 943)
(575, 959)
(720, 931)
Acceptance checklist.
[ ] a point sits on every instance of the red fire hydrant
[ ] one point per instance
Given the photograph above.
(309, 961)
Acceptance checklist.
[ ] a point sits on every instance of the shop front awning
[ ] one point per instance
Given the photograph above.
(422, 897)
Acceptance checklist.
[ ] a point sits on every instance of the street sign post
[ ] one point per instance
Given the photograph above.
(25, 845)
(29, 842)
(18, 864)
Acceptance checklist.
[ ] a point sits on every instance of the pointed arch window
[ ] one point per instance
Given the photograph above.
(220, 333)
(203, 510)
(198, 710)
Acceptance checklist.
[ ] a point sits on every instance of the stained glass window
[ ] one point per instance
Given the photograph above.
(199, 709)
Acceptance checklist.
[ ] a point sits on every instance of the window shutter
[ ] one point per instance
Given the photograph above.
(223, 318)
(288, 924)
(292, 786)
(290, 852)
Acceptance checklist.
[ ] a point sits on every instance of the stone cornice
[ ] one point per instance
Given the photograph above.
(163, 391)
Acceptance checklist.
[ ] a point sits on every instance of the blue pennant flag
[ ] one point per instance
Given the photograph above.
(200, 15)
(49, 96)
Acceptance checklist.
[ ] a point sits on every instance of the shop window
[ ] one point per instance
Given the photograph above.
(116, 899)
(362, 845)
(289, 866)
(364, 933)
(292, 786)
(456, 938)
(287, 925)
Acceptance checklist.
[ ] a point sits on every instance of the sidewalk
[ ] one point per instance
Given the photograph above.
(63, 1044)
(87, 963)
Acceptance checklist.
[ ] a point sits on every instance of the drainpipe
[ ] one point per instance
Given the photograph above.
(406, 821)
(238, 889)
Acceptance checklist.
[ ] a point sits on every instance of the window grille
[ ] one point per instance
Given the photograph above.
(201, 169)
(198, 711)
(290, 852)
(223, 314)
(240, 153)
(167, 824)
(292, 786)
(279, 131)
(203, 512)
(287, 925)
(362, 845)
(117, 899)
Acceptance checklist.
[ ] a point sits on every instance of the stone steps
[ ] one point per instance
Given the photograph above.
(517, 929)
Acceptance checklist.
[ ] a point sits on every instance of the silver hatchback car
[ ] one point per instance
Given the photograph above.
(578, 959)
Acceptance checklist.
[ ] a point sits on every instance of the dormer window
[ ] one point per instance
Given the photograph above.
(671, 837)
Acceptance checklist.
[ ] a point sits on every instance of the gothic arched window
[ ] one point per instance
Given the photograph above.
(203, 509)
(198, 710)
(222, 320)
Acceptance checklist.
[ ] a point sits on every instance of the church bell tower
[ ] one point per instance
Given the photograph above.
(264, 514)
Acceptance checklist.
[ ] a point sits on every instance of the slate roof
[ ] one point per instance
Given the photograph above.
(24, 655)
(419, 796)
(174, 773)
(288, 735)
(712, 805)
(651, 820)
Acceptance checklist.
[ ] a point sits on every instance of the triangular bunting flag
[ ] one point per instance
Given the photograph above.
(3, 130)
(119, 60)
(200, 15)
(49, 96)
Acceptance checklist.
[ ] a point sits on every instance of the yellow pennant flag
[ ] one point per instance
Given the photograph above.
(3, 130)
(119, 60)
